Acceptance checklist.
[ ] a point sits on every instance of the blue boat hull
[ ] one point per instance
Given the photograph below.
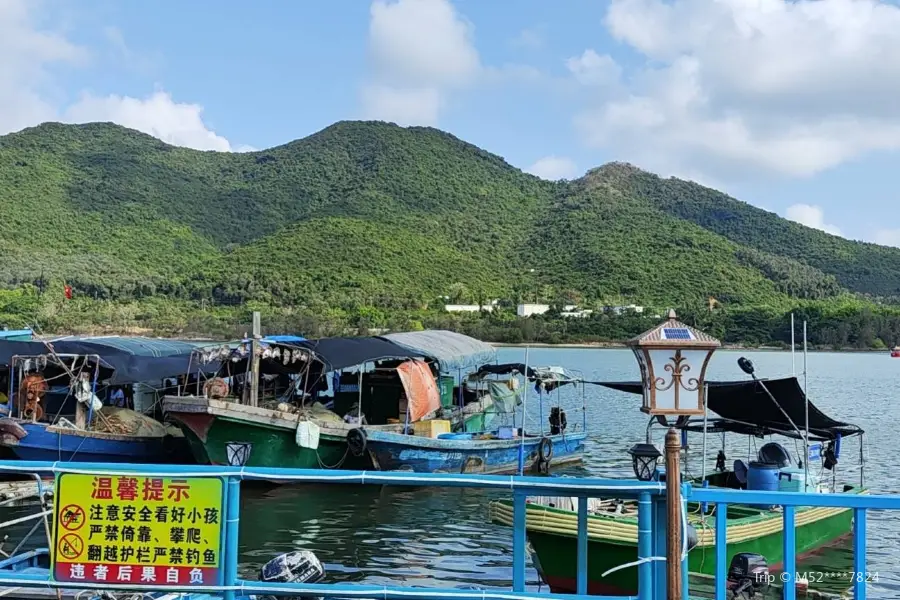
(56, 444)
(398, 452)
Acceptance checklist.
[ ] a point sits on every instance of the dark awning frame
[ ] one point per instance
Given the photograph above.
(744, 407)
(117, 367)
(330, 354)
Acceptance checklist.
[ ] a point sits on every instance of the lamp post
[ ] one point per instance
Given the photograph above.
(672, 358)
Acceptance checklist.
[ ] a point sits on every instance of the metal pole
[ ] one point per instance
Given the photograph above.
(254, 361)
(705, 420)
(806, 410)
(232, 521)
(793, 362)
(804, 357)
(524, 406)
(360, 397)
(673, 516)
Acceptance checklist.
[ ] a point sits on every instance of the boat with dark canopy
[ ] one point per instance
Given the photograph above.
(291, 421)
(53, 408)
(756, 408)
(741, 408)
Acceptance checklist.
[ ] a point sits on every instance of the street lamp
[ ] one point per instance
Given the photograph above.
(644, 458)
(673, 358)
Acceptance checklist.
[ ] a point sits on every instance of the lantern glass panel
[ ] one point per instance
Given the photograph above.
(644, 458)
(677, 373)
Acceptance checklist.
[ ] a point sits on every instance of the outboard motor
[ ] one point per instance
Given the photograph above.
(300, 566)
(748, 576)
(774, 453)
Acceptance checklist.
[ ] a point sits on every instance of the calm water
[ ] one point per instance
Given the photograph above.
(433, 537)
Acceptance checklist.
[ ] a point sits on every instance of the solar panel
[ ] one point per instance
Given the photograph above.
(677, 333)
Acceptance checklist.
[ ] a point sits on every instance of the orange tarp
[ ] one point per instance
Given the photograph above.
(422, 393)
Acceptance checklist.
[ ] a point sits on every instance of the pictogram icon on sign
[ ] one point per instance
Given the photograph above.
(72, 517)
(71, 546)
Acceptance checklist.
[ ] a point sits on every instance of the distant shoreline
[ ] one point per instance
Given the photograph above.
(620, 346)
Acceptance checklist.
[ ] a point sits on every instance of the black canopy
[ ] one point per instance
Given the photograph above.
(117, 367)
(744, 407)
(506, 369)
(342, 352)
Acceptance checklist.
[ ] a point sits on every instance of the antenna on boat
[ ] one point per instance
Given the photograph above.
(747, 367)
(806, 412)
(793, 362)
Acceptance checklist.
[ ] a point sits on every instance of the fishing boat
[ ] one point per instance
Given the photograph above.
(500, 450)
(268, 404)
(757, 409)
(52, 408)
(895, 352)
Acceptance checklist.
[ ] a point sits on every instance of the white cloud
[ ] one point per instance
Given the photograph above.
(811, 216)
(420, 51)
(888, 237)
(28, 54)
(554, 168)
(593, 69)
(790, 87)
(158, 115)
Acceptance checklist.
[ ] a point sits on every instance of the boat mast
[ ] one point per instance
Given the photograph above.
(793, 362)
(705, 421)
(254, 361)
(524, 406)
(806, 409)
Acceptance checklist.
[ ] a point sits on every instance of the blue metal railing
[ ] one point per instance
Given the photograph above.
(648, 494)
(652, 529)
(858, 503)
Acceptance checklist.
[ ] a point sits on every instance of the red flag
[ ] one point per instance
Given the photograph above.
(68, 292)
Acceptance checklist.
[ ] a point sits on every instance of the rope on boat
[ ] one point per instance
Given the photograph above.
(684, 548)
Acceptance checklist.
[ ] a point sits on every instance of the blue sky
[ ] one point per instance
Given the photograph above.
(787, 105)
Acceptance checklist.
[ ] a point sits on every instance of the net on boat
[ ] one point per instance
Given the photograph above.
(123, 421)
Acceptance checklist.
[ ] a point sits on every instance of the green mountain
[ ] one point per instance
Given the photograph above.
(372, 214)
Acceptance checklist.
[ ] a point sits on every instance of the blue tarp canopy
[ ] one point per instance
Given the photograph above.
(285, 339)
(119, 366)
(453, 351)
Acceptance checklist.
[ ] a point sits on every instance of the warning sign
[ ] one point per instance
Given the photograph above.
(134, 529)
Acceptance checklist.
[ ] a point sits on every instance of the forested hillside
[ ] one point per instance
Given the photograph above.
(367, 224)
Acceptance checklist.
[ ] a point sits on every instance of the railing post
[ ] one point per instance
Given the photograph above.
(645, 547)
(232, 526)
(518, 541)
(790, 555)
(582, 571)
(859, 553)
(685, 579)
(721, 549)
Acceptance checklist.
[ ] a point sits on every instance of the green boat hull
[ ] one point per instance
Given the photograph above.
(209, 431)
(555, 554)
